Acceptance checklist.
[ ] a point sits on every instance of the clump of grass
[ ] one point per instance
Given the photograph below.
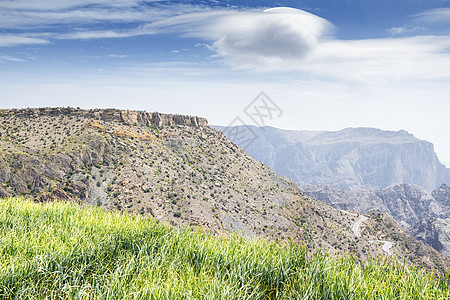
(62, 250)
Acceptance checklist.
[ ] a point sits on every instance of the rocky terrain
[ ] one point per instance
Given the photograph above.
(349, 159)
(425, 215)
(181, 171)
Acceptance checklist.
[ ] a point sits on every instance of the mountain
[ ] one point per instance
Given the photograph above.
(349, 159)
(181, 171)
(424, 215)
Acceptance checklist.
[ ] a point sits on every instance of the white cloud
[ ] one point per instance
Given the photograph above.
(397, 30)
(25, 14)
(10, 58)
(14, 40)
(29, 19)
(87, 35)
(63, 4)
(435, 15)
(276, 34)
(243, 37)
(405, 29)
(380, 61)
(48, 20)
(249, 38)
(117, 56)
(290, 40)
(275, 40)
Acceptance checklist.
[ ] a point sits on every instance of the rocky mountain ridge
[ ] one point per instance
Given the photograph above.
(178, 170)
(128, 117)
(349, 159)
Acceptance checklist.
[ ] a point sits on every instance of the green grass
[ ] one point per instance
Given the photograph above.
(61, 250)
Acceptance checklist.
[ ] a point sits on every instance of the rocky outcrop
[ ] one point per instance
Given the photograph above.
(50, 176)
(442, 196)
(349, 159)
(128, 117)
(425, 215)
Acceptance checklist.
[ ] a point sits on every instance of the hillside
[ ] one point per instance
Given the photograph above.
(349, 159)
(425, 215)
(86, 253)
(176, 169)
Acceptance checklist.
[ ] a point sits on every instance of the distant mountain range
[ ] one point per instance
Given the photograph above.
(362, 169)
(349, 159)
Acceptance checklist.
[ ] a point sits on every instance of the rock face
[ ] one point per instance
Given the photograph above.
(424, 215)
(350, 159)
(128, 117)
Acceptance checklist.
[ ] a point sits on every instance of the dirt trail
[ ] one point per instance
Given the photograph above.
(357, 224)
(387, 247)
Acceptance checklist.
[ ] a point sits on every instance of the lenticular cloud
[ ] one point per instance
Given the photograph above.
(275, 35)
(253, 38)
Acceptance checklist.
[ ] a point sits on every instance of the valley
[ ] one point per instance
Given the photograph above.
(424, 215)
(364, 169)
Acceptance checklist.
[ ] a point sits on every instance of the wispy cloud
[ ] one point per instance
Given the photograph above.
(405, 29)
(8, 40)
(64, 4)
(43, 21)
(290, 40)
(435, 15)
(117, 56)
(381, 61)
(10, 58)
(32, 14)
(99, 34)
(275, 40)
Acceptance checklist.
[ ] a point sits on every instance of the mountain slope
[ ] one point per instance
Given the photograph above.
(349, 159)
(424, 215)
(174, 168)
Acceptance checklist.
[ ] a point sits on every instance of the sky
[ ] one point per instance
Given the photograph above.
(325, 65)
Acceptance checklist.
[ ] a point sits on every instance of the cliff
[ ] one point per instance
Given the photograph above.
(128, 117)
(349, 159)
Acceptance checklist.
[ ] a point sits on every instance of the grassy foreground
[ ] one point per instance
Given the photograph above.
(61, 250)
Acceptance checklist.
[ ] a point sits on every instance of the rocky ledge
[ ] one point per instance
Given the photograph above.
(129, 117)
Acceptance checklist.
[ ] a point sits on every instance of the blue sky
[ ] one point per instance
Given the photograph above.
(327, 64)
